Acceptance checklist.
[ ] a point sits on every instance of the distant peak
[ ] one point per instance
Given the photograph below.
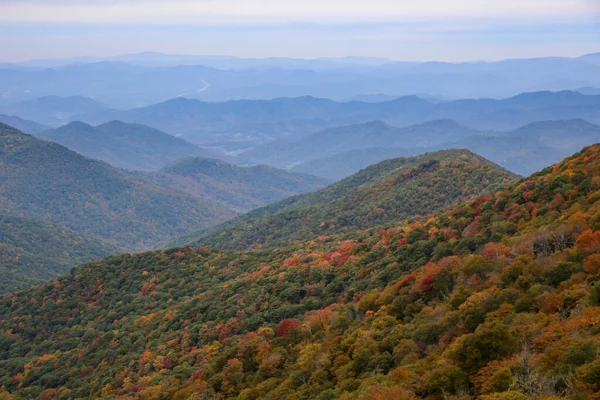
(77, 125)
(575, 123)
(413, 98)
(115, 123)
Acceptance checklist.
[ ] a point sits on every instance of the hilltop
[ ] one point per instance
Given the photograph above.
(391, 190)
(129, 146)
(496, 298)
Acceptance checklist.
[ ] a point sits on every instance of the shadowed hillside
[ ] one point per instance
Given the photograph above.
(45, 181)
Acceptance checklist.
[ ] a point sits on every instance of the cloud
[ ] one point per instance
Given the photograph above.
(251, 12)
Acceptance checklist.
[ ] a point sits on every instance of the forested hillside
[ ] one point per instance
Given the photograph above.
(496, 299)
(391, 190)
(32, 252)
(238, 188)
(45, 181)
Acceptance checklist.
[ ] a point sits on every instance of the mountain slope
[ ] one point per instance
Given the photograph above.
(391, 190)
(32, 252)
(129, 146)
(496, 299)
(45, 181)
(238, 188)
(22, 124)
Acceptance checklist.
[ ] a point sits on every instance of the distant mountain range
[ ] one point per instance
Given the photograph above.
(142, 79)
(332, 141)
(391, 190)
(307, 134)
(246, 124)
(340, 152)
(238, 188)
(129, 146)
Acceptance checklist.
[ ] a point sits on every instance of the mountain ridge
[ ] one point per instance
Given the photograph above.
(529, 148)
(361, 201)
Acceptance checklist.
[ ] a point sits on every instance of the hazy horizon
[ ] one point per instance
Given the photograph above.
(464, 30)
(109, 57)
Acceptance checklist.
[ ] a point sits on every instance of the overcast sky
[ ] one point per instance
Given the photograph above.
(447, 30)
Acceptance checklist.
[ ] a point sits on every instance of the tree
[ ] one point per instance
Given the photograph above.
(490, 341)
(288, 328)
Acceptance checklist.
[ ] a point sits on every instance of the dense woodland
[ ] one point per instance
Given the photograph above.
(388, 191)
(497, 299)
(32, 252)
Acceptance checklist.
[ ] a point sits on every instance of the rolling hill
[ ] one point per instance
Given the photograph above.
(137, 80)
(32, 252)
(129, 146)
(238, 188)
(391, 190)
(45, 181)
(497, 298)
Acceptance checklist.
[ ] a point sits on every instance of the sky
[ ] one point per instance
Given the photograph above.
(411, 30)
